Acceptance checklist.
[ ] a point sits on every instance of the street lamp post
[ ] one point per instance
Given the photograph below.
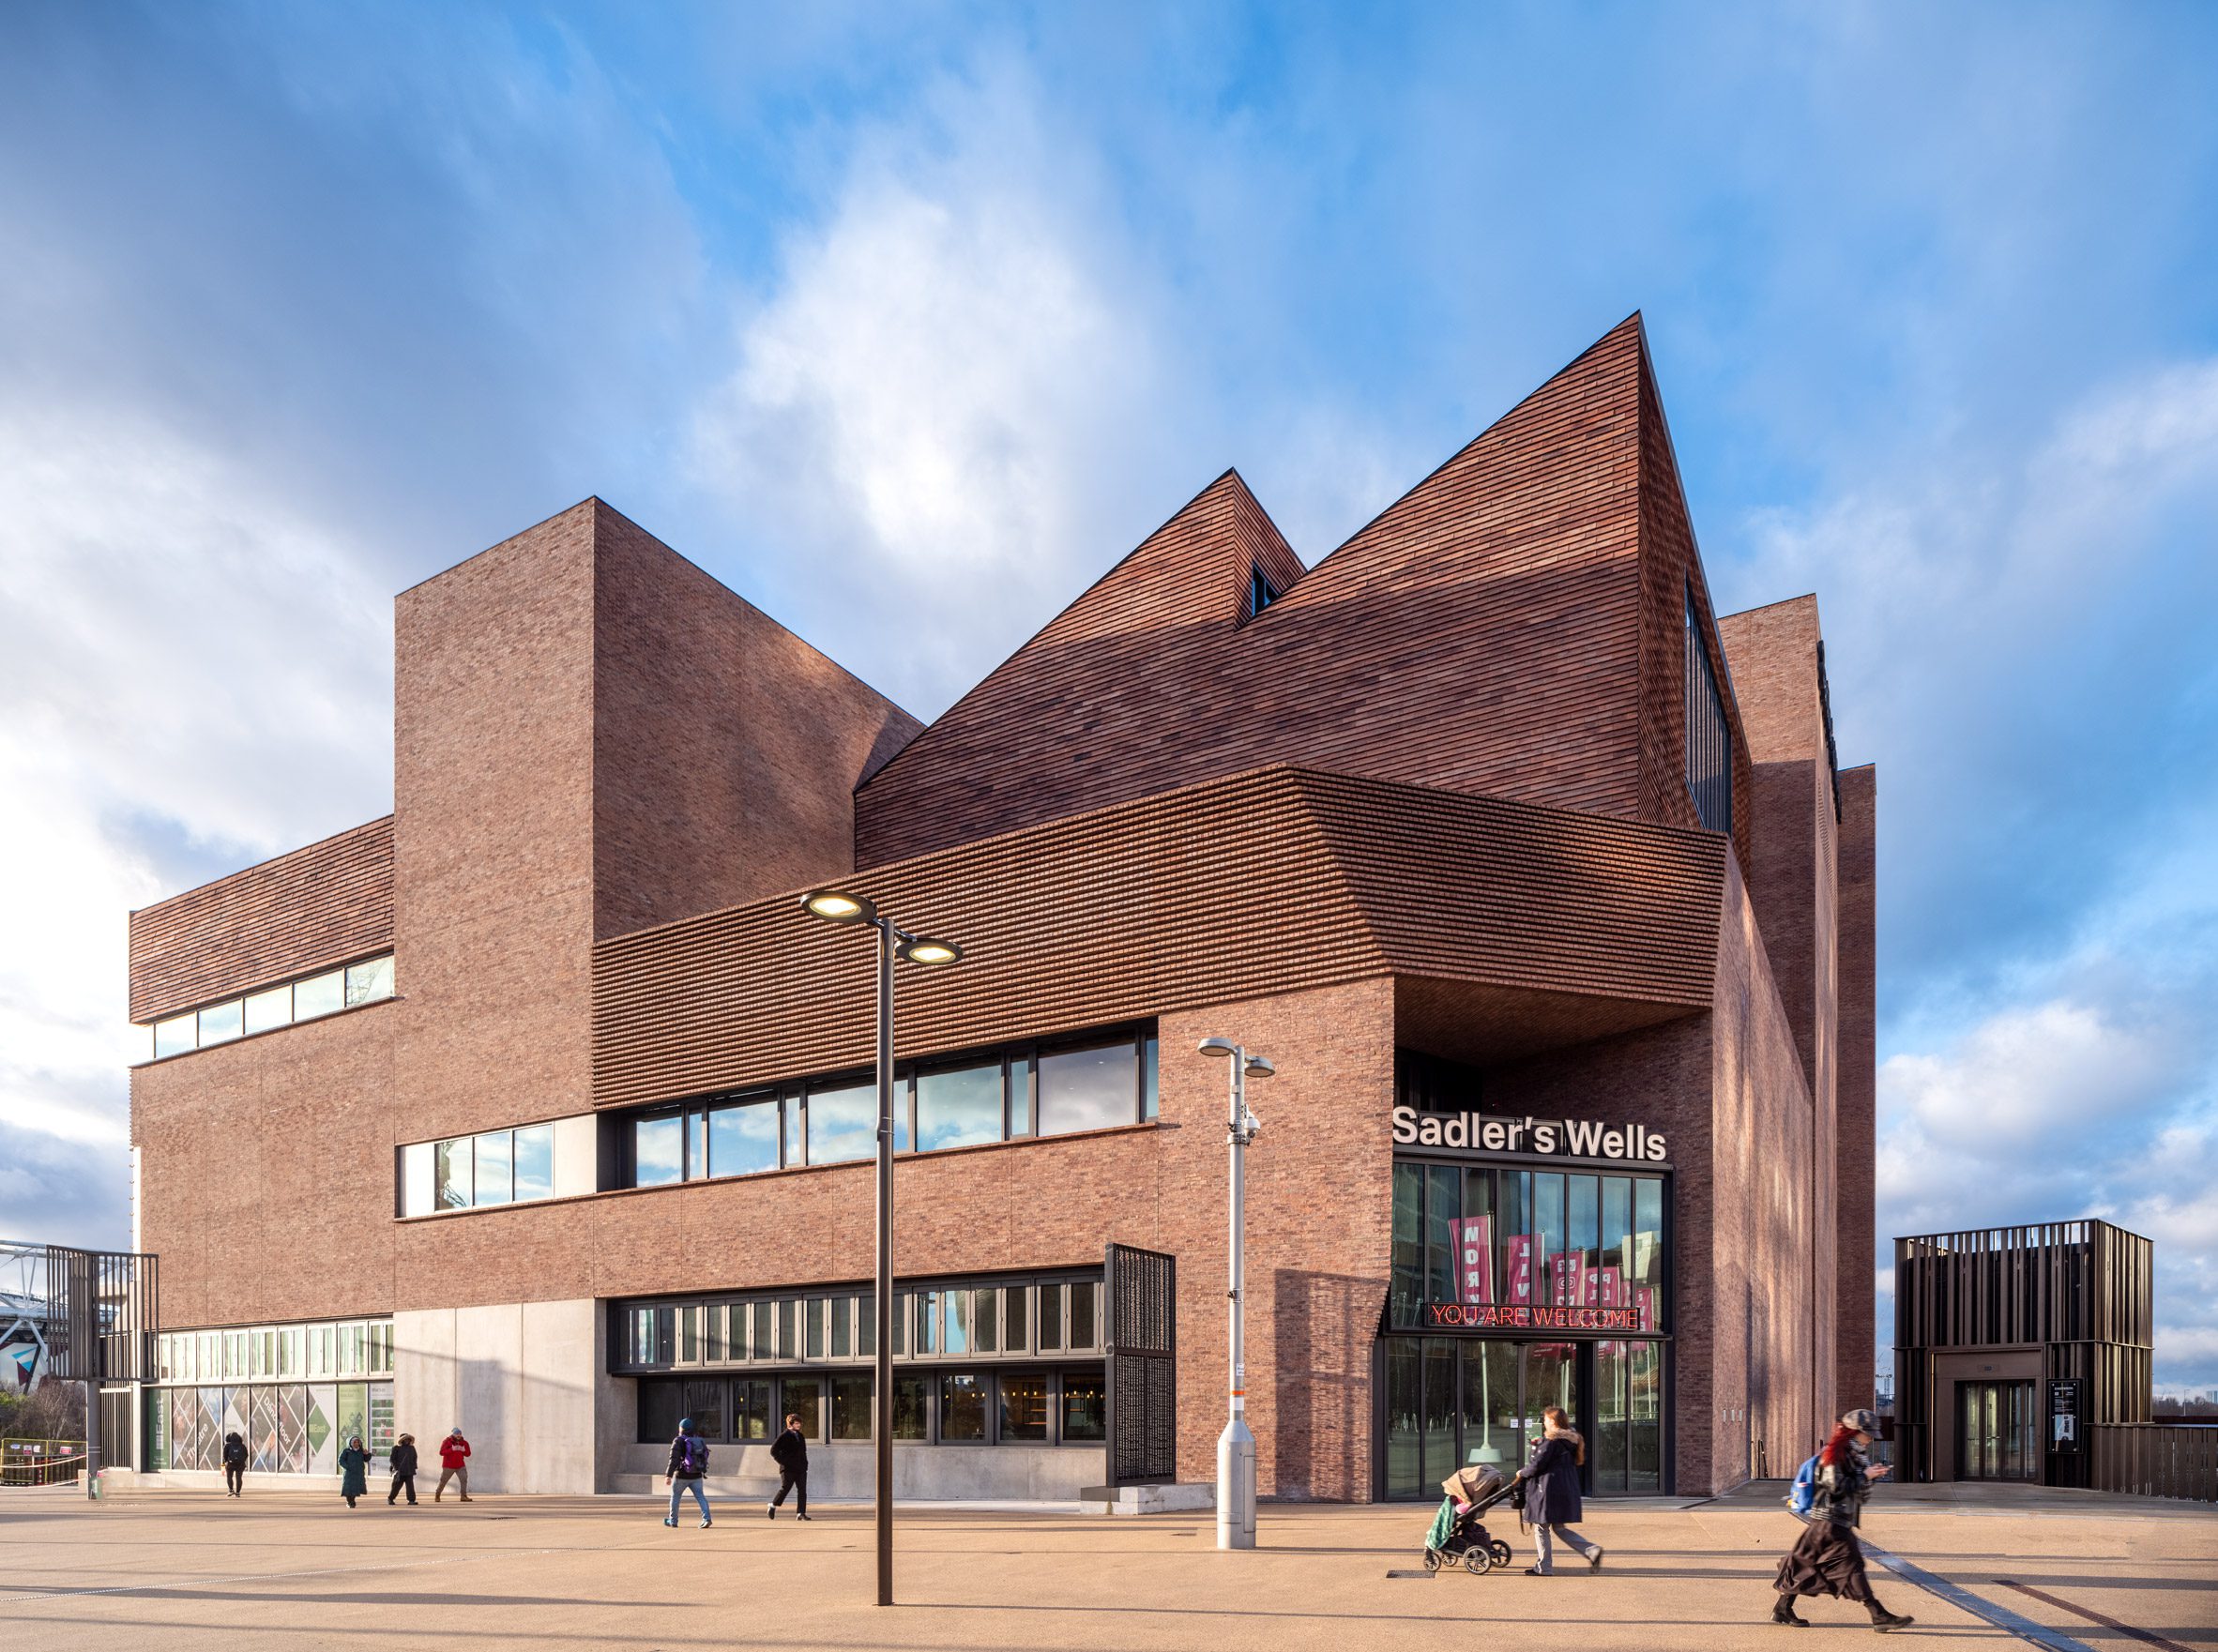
(837, 906)
(1235, 1446)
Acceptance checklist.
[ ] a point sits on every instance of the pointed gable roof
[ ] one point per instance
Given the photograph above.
(1482, 634)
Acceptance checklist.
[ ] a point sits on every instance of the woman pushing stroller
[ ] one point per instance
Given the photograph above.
(1551, 1480)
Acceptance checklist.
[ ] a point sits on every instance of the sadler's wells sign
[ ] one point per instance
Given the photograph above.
(1570, 1137)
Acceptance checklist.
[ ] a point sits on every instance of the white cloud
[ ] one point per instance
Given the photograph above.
(189, 678)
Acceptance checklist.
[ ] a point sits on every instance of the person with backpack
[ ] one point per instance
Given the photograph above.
(235, 1466)
(402, 1463)
(790, 1452)
(1552, 1494)
(454, 1464)
(689, 1468)
(353, 1471)
(1829, 1495)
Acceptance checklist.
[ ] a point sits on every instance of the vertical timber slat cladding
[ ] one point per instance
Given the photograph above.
(1485, 634)
(326, 903)
(1261, 883)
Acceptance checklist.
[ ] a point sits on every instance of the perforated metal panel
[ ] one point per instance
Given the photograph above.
(1141, 1359)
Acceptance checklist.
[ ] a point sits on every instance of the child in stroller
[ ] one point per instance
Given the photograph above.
(1457, 1537)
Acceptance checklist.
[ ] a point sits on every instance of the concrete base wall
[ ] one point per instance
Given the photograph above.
(520, 1380)
(847, 1471)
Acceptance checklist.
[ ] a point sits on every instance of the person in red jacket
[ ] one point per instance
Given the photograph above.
(454, 1464)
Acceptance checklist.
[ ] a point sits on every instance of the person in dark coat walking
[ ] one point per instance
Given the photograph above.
(402, 1463)
(1826, 1559)
(1552, 1494)
(235, 1465)
(689, 1468)
(353, 1471)
(790, 1452)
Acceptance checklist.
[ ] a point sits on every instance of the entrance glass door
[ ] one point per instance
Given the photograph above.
(1996, 1431)
(1453, 1401)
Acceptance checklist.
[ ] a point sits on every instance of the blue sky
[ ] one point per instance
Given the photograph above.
(906, 322)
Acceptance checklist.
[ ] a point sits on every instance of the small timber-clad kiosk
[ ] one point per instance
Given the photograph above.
(2016, 1348)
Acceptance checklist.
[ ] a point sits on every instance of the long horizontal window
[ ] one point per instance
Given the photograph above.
(495, 1167)
(287, 1427)
(1046, 1317)
(338, 1348)
(1001, 1095)
(305, 999)
(1044, 1406)
(1500, 1237)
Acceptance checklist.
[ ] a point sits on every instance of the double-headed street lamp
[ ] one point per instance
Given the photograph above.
(838, 906)
(1235, 1446)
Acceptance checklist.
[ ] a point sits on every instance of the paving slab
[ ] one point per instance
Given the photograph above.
(284, 1568)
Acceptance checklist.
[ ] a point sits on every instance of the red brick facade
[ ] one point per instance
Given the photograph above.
(1432, 800)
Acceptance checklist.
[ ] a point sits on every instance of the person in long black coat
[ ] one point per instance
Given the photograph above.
(402, 1463)
(354, 1469)
(1826, 1559)
(1552, 1494)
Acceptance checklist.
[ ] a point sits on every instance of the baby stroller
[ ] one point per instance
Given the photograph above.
(1463, 1539)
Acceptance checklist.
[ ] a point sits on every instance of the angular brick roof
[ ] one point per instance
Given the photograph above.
(1494, 630)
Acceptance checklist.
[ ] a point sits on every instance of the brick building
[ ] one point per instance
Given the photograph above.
(539, 1106)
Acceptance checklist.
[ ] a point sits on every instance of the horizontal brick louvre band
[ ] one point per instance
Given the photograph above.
(1268, 882)
(323, 904)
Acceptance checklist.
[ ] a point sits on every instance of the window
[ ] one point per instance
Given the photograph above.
(751, 1412)
(1089, 1089)
(959, 1109)
(1084, 1326)
(661, 1404)
(960, 1328)
(1710, 736)
(804, 1397)
(743, 1139)
(962, 1407)
(1050, 1317)
(368, 981)
(496, 1167)
(1014, 1300)
(842, 1124)
(1020, 1095)
(1024, 1408)
(1261, 594)
(688, 1335)
(174, 1036)
(322, 995)
(273, 1008)
(813, 1311)
(851, 1408)
(912, 1408)
(220, 1023)
(704, 1404)
(842, 1316)
(535, 1161)
(454, 1184)
(762, 1330)
(658, 1150)
(928, 1311)
(1085, 1406)
(985, 1321)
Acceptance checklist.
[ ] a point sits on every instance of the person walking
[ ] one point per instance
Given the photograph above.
(790, 1452)
(353, 1471)
(402, 1463)
(1552, 1505)
(454, 1464)
(1828, 1559)
(689, 1468)
(235, 1466)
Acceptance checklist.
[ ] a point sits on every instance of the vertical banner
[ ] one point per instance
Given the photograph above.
(1567, 1271)
(1609, 1287)
(1517, 1265)
(1644, 1303)
(1474, 1259)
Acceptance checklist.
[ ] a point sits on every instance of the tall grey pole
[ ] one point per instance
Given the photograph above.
(92, 1434)
(1236, 1447)
(882, 1304)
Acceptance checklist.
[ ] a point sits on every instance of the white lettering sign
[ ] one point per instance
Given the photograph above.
(1574, 1138)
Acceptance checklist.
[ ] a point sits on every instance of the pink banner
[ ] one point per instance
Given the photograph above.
(1474, 1259)
(1517, 1266)
(1568, 1273)
(1609, 1287)
(1644, 1304)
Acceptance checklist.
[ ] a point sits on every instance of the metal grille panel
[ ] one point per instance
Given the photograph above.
(1142, 1366)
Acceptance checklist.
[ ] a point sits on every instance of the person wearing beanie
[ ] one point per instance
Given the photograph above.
(1828, 1559)
(689, 1468)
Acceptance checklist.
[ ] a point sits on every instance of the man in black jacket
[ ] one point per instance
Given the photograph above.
(402, 1461)
(790, 1452)
(235, 1465)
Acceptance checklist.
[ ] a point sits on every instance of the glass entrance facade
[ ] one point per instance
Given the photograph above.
(1996, 1431)
(1534, 1242)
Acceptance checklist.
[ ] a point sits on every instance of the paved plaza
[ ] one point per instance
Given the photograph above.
(283, 1568)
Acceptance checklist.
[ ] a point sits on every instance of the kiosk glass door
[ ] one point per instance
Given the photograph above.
(1996, 1431)
(1451, 1400)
